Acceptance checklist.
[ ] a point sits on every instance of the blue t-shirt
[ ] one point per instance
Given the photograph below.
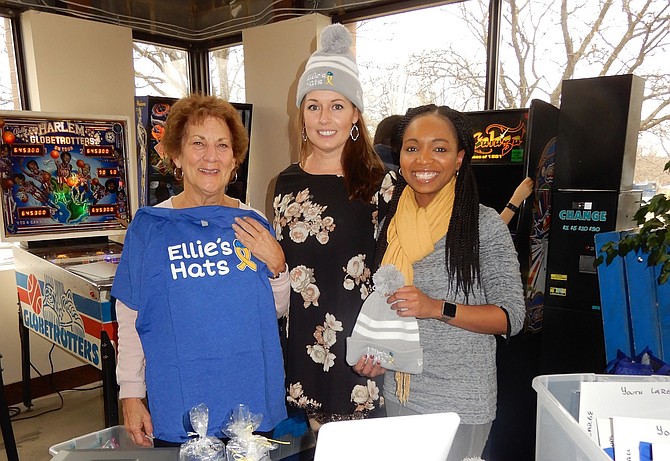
(206, 318)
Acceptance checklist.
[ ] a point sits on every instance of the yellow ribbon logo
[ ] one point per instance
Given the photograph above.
(329, 78)
(244, 255)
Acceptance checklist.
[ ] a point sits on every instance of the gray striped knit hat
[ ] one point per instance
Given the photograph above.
(332, 67)
(381, 333)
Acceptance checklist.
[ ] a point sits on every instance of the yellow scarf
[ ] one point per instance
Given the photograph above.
(412, 234)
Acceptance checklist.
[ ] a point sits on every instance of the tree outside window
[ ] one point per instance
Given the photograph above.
(402, 63)
(160, 70)
(546, 42)
(226, 69)
(163, 71)
(438, 55)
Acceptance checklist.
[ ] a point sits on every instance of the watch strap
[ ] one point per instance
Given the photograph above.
(512, 207)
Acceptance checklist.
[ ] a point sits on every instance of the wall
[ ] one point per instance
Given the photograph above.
(274, 58)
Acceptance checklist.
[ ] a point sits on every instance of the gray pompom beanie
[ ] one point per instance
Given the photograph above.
(332, 67)
(380, 332)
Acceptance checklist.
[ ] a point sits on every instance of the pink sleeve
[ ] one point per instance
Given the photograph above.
(130, 357)
(281, 289)
(281, 286)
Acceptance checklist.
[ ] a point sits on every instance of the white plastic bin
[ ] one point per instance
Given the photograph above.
(96, 439)
(558, 434)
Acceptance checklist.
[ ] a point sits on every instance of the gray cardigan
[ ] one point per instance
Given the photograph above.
(459, 369)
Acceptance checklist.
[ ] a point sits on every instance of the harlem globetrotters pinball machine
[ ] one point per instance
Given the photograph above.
(65, 198)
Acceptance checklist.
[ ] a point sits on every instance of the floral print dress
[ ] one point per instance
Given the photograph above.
(329, 243)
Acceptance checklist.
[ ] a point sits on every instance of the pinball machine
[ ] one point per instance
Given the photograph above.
(65, 199)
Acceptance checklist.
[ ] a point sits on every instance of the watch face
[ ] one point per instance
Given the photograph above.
(449, 309)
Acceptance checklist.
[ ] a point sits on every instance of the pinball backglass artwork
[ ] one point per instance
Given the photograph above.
(156, 180)
(63, 176)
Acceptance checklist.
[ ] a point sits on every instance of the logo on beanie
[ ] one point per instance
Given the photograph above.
(319, 78)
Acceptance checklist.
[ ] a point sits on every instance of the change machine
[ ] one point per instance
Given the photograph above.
(64, 195)
(598, 126)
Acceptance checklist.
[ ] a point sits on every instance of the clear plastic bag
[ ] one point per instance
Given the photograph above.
(243, 444)
(203, 447)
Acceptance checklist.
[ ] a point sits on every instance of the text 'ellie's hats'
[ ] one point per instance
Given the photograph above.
(382, 333)
(332, 67)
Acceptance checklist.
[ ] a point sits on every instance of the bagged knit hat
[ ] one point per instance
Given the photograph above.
(381, 333)
(332, 67)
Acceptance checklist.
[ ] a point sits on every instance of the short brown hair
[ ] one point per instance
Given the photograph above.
(194, 109)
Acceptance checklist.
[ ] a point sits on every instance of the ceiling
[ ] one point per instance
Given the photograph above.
(207, 20)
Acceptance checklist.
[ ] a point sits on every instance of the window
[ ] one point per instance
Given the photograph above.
(160, 70)
(438, 55)
(9, 100)
(413, 58)
(226, 66)
(9, 83)
(628, 37)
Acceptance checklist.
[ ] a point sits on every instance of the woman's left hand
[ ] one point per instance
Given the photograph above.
(409, 301)
(260, 242)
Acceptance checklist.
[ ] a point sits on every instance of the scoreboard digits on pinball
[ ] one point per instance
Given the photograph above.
(63, 176)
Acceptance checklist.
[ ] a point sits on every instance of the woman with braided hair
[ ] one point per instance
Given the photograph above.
(462, 279)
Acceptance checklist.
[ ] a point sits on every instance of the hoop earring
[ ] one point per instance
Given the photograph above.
(400, 172)
(178, 173)
(351, 132)
(304, 134)
(234, 178)
(457, 173)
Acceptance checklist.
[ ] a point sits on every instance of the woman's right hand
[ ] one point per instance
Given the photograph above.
(261, 243)
(137, 421)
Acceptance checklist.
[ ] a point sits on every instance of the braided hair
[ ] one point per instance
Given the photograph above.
(462, 240)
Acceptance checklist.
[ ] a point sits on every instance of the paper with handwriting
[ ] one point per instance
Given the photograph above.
(648, 399)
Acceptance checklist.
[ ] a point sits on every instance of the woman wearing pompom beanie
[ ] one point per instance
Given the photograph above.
(326, 210)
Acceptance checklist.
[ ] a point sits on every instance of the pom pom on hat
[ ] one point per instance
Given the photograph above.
(388, 279)
(332, 67)
(335, 39)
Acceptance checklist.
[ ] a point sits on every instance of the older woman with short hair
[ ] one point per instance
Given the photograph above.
(199, 287)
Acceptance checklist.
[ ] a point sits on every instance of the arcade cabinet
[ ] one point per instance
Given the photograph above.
(595, 159)
(155, 173)
(518, 357)
(64, 195)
